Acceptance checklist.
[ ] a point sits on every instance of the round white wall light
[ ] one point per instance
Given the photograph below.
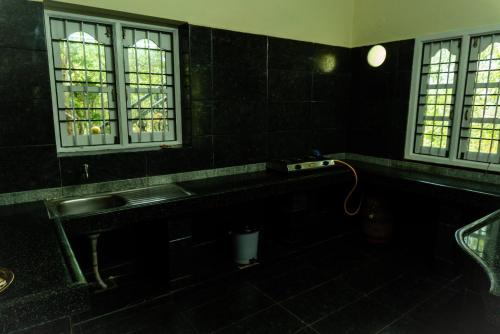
(376, 55)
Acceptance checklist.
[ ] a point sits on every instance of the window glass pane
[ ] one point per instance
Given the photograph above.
(84, 82)
(437, 90)
(149, 85)
(480, 128)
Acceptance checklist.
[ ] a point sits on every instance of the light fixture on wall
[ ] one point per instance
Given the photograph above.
(376, 55)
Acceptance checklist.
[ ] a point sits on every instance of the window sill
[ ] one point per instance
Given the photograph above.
(120, 150)
(450, 163)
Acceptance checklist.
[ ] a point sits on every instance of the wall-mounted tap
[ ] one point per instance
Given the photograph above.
(85, 174)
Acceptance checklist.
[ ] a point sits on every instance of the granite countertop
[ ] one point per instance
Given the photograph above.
(481, 240)
(445, 182)
(206, 194)
(43, 288)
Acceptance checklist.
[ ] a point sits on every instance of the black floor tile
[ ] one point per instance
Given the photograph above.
(450, 311)
(321, 301)
(292, 283)
(339, 255)
(406, 326)
(307, 330)
(136, 319)
(372, 276)
(270, 321)
(408, 290)
(310, 267)
(321, 289)
(364, 316)
(169, 324)
(267, 271)
(206, 292)
(60, 326)
(231, 308)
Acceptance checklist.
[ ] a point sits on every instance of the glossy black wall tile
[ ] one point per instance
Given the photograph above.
(103, 167)
(26, 122)
(200, 45)
(328, 140)
(287, 85)
(331, 87)
(21, 22)
(329, 115)
(239, 117)
(202, 112)
(239, 83)
(239, 62)
(28, 167)
(201, 82)
(230, 150)
(198, 156)
(24, 74)
(285, 54)
(289, 144)
(285, 116)
(239, 50)
(377, 121)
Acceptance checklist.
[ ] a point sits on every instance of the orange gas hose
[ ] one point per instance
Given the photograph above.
(352, 189)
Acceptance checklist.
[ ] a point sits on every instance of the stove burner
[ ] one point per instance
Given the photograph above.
(300, 164)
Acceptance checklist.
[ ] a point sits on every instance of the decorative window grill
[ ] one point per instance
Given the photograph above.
(436, 99)
(480, 129)
(454, 115)
(149, 77)
(115, 84)
(85, 82)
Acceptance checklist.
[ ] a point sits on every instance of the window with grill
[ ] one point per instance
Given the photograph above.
(149, 80)
(454, 117)
(480, 129)
(115, 84)
(436, 98)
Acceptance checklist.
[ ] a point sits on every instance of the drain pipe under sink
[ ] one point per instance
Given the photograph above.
(95, 261)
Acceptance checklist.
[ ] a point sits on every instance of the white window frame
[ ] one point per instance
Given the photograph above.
(452, 159)
(121, 103)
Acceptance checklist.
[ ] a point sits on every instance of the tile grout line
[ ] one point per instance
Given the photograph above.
(404, 314)
(216, 298)
(337, 310)
(362, 295)
(244, 318)
(338, 276)
(184, 316)
(276, 303)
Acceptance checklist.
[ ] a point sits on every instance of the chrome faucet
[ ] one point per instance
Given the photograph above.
(85, 172)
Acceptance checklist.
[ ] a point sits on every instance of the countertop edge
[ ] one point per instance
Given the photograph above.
(460, 235)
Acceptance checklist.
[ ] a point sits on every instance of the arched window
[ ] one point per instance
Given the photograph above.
(481, 118)
(436, 98)
(149, 79)
(454, 114)
(115, 84)
(83, 69)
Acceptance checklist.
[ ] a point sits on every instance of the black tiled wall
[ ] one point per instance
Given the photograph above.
(246, 98)
(27, 151)
(380, 101)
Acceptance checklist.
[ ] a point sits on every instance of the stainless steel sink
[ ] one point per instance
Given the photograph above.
(94, 204)
(87, 204)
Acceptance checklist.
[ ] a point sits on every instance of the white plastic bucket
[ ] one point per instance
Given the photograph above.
(245, 247)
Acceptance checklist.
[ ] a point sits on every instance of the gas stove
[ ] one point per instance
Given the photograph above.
(300, 164)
